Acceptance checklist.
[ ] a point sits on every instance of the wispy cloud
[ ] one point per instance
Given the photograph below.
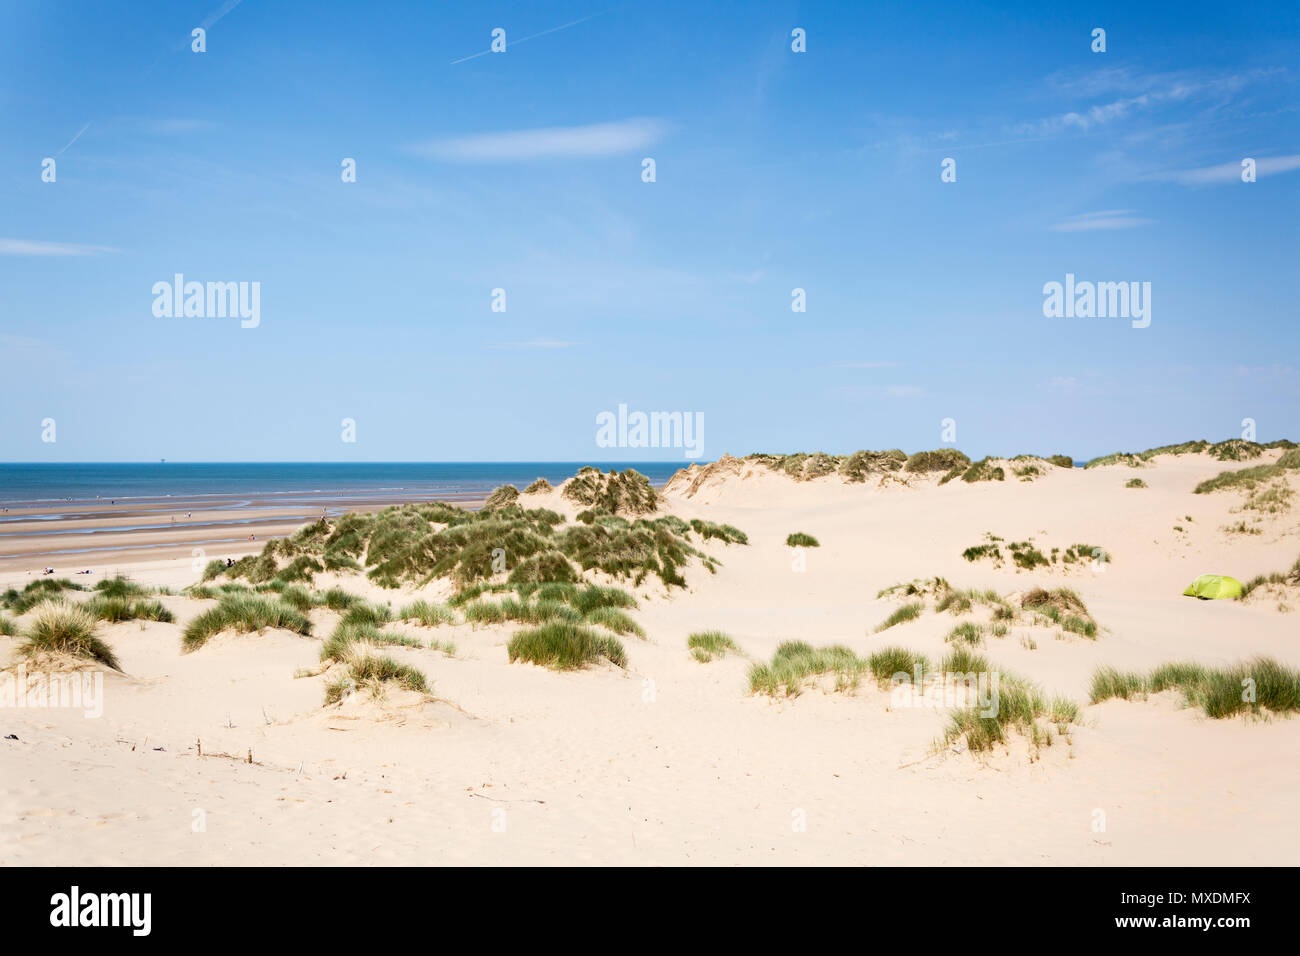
(39, 247)
(1151, 91)
(1230, 171)
(536, 344)
(555, 142)
(1104, 219)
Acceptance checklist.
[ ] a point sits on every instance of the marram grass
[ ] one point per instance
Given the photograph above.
(243, 613)
(1251, 687)
(908, 612)
(563, 645)
(374, 672)
(65, 629)
(706, 645)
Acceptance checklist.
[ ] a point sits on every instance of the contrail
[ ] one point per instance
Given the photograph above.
(211, 18)
(74, 139)
(532, 36)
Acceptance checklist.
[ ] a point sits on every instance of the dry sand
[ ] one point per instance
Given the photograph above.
(672, 761)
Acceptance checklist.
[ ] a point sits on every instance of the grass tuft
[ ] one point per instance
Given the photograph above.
(564, 645)
(58, 628)
(908, 612)
(706, 645)
(243, 613)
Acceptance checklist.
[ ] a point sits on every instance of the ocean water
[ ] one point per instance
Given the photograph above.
(283, 482)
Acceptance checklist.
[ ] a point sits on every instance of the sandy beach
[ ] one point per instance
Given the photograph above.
(227, 754)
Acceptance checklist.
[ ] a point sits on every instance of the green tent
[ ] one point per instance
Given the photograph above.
(1209, 586)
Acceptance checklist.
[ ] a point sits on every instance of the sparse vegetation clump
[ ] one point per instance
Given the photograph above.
(941, 459)
(1061, 461)
(243, 613)
(982, 470)
(1236, 449)
(42, 589)
(428, 613)
(627, 492)
(564, 645)
(61, 629)
(1135, 483)
(556, 601)
(706, 645)
(1183, 448)
(979, 552)
(1118, 458)
(120, 587)
(795, 662)
(1290, 458)
(549, 565)
(502, 497)
(1243, 478)
(1026, 556)
(800, 540)
(967, 632)
(1288, 578)
(907, 612)
(1020, 706)
(342, 640)
(854, 468)
(860, 465)
(612, 619)
(890, 663)
(918, 587)
(1255, 686)
(374, 672)
(418, 543)
(1061, 606)
(538, 487)
(113, 609)
(724, 532)
(635, 550)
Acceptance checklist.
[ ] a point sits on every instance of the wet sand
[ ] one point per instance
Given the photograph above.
(103, 537)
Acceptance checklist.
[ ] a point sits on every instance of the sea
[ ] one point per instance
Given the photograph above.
(305, 483)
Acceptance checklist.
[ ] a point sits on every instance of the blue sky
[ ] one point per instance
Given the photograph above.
(774, 170)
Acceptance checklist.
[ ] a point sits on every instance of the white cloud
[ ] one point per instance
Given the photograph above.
(1104, 219)
(38, 247)
(555, 142)
(1230, 171)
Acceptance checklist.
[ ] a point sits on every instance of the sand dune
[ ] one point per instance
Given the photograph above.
(225, 756)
